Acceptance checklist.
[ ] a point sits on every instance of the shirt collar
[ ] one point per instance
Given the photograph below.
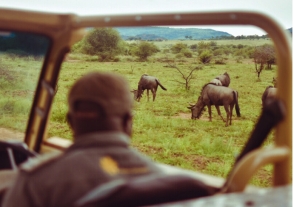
(100, 140)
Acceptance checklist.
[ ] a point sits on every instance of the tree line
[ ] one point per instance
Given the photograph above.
(107, 44)
(241, 37)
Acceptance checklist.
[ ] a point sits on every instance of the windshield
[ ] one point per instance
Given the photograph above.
(21, 60)
(183, 60)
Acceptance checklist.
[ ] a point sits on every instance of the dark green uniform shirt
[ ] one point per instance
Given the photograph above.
(92, 160)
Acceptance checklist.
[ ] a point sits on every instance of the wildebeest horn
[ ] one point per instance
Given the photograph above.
(191, 104)
(190, 107)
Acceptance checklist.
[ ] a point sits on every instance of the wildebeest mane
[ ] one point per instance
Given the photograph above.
(200, 97)
(201, 110)
(204, 87)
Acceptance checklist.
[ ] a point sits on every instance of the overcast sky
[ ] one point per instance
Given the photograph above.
(280, 10)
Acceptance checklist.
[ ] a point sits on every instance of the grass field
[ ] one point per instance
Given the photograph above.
(163, 129)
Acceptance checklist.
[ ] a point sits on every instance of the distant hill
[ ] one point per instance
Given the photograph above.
(290, 30)
(168, 33)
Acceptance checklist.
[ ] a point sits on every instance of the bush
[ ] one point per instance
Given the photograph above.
(240, 53)
(202, 46)
(205, 56)
(193, 47)
(187, 53)
(177, 48)
(77, 47)
(218, 52)
(164, 51)
(238, 59)
(180, 55)
(144, 50)
(220, 61)
(107, 57)
(227, 51)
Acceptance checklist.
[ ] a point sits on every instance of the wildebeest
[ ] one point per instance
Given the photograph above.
(148, 82)
(218, 96)
(135, 93)
(224, 79)
(216, 82)
(269, 93)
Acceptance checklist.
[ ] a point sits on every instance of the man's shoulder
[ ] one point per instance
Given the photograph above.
(39, 162)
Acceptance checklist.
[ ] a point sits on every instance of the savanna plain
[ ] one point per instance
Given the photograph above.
(163, 129)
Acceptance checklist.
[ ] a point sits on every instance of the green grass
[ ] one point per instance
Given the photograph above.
(18, 79)
(160, 132)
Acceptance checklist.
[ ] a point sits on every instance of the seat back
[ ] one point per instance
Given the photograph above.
(12, 154)
(147, 190)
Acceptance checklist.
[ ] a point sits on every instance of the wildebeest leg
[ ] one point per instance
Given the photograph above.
(154, 93)
(209, 111)
(228, 113)
(148, 94)
(231, 113)
(219, 113)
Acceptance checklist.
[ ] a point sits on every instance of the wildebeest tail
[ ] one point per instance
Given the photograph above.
(161, 86)
(237, 104)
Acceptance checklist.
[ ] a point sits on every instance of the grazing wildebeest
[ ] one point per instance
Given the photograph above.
(216, 82)
(269, 93)
(218, 96)
(224, 79)
(135, 93)
(149, 83)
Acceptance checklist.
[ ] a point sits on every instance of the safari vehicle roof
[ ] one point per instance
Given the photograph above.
(65, 29)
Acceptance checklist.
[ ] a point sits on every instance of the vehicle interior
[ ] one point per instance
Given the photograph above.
(33, 74)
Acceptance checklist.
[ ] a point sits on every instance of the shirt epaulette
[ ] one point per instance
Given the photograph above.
(35, 163)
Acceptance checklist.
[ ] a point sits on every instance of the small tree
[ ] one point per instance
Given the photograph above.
(186, 76)
(259, 60)
(144, 50)
(271, 55)
(104, 42)
(263, 55)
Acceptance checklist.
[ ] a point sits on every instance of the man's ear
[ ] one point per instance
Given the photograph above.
(128, 124)
(69, 120)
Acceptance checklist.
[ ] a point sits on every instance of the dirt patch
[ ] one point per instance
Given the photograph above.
(202, 118)
(183, 116)
(7, 134)
(20, 93)
(188, 116)
(200, 162)
(265, 177)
